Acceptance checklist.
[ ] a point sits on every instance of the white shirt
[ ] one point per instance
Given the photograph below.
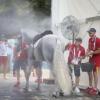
(3, 49)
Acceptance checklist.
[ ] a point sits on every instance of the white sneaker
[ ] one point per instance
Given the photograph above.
(77, 90)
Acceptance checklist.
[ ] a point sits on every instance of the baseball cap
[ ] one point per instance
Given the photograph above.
(91, 30)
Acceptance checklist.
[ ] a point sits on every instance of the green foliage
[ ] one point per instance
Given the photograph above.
(41, 5)
(38, 5)
(4, 5)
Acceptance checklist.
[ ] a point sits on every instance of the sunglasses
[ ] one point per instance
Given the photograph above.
(90, 33)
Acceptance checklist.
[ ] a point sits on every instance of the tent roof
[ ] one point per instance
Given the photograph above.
(83, 8)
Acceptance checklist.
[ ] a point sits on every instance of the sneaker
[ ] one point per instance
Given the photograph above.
(99, 92)
(55, 94)
(88, 89)
(93, 92)
(17, 84)
(77, 90)
(61, 93)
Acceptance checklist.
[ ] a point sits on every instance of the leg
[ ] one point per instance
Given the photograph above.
(18, 78)
(5, 62)
(90, 78)
(94, 90)
(27, 73)
(17, 70)
(77, 81)
(14, 72)
(39, 76)
(77, 75)
(77, 78)
(95, 79)
(4, 70)
(71, 72)
(33, 70)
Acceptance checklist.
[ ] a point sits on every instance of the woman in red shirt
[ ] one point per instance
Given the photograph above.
(20, 59)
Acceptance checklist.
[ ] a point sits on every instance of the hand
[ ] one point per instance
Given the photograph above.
(82, 57)
(89, 53)
(19, 53)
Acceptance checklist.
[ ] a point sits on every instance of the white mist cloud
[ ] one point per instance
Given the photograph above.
(18, 16)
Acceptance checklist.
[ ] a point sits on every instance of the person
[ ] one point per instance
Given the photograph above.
(94, 53)
(76, 54)
(10, 55)
(20, 59)
(3, 56)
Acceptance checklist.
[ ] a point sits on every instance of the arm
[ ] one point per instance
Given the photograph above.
(97, 46)
(90, 53)
(82, 56)
(14, 53)
(96, 51)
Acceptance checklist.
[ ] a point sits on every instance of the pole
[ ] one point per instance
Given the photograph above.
(73, 38)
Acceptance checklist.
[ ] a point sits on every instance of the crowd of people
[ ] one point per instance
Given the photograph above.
(76, 54)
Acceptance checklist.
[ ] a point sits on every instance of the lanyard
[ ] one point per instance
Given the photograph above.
(93, 41)
(94, 44)
(78, 51)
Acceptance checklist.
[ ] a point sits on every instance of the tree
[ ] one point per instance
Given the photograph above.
(41, 5)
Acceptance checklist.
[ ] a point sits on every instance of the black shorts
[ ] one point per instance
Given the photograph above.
(20, 64)
(37, 64)
(77, 70)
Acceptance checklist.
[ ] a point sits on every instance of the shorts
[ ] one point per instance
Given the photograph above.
(4, 60)
(76, 69)
(20, 64)
(37, 64)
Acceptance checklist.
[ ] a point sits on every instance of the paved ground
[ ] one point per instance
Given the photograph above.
(8, 92)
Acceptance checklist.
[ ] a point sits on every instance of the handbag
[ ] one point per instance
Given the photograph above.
(86, 67)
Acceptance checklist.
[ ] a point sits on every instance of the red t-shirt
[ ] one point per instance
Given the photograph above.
(73, 52)
(23, 52)
(94, 44)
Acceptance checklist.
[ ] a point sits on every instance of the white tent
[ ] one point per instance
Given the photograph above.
(86, 11)
(81, 9)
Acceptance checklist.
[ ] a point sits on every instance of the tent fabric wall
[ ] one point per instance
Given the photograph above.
(81, 9)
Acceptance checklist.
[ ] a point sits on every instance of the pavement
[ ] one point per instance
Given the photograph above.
(9, 92)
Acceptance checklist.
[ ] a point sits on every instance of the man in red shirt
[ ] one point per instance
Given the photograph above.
(94, 53)
(20, 59)
(76, 54)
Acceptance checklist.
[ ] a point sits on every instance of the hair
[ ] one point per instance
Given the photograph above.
(79, 39)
